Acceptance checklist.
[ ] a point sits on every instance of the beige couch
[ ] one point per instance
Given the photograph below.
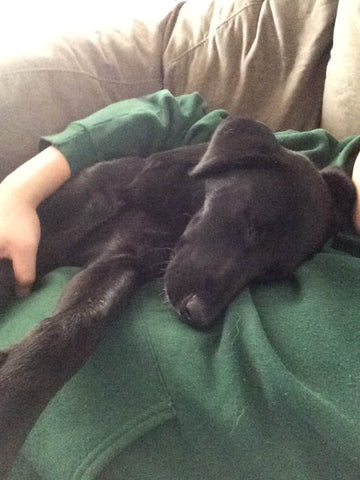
(290, 63)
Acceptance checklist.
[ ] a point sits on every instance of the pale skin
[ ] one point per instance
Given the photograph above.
(356, 180)
(24, 189)
(20, 194)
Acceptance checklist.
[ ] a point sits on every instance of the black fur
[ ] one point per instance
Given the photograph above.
(212, 218)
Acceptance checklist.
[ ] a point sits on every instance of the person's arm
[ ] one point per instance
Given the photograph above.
(356, 180)
(132, 127)
(135, 126)
(20, 194)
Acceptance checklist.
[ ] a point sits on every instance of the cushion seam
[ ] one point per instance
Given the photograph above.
(77, 72)
(207, 36)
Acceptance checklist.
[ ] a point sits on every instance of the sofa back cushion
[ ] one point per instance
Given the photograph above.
(341, 107)
(265, 59)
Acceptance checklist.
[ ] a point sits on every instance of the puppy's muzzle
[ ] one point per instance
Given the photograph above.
(194, 312)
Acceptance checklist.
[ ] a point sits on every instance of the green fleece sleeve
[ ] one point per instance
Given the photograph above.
(138, 126)
(322, 148)
(161, 121)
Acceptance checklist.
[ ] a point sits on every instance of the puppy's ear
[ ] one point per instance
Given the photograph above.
(343, 194)
(241, 143)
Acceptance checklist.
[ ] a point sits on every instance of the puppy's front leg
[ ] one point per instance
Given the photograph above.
(32, 371)
(84, 202)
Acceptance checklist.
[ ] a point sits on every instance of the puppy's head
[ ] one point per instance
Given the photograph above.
(266, 210)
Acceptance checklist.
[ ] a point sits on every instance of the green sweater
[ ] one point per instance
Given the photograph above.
(273, 392)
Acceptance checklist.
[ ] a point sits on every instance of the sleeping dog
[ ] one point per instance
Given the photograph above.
(210, 218)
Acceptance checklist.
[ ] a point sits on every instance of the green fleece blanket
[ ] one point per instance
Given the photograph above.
(273, 392)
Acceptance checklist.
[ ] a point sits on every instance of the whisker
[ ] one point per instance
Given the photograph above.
(165, 298)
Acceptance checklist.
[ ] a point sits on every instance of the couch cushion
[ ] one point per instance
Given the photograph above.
(341, 107)
(47, 83)
(260, 58)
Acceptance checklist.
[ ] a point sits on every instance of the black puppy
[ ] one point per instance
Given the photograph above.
(212, 217)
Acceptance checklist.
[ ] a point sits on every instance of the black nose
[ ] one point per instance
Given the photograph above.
(195, 313)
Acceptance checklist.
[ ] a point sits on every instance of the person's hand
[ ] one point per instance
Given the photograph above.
(356, 180)
(19, 237)
(20, 194)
